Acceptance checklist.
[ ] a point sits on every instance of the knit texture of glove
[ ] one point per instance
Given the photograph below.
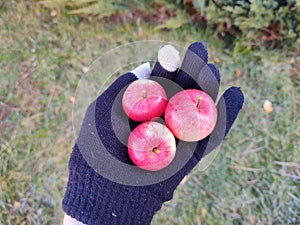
(94, 199)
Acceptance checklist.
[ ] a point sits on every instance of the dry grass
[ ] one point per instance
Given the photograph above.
(253, 180)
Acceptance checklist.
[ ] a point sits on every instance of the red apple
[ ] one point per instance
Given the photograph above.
(191, 115)
(144, 100)
(151, 146)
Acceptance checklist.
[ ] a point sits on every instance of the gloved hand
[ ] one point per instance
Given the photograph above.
(103, 187)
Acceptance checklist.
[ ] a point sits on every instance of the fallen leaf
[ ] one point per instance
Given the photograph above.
(268, 106)
(53, 13)
(85, 69)
(217, 60)
(238, 72)
(203, 213)
(15, 207)
(72, 99)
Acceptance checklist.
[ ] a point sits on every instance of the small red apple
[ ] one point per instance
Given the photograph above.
(191, 115)
(151, 146)
(144, 100)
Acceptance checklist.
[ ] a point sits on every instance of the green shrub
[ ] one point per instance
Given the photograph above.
(86, 8)
(255, 21)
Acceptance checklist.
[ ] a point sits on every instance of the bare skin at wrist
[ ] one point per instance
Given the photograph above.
(68, 220)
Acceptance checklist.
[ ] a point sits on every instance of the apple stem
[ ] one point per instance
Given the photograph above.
(156, 150)
(199, 100)
(144, 94)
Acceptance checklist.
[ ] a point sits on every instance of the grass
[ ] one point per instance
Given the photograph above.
(253, 180)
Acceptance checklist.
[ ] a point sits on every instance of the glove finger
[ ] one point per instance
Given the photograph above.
(228, 108)
(113, 126)
(167, 63)
(195, 58)
(143, 71)
(109, 95)
(208, 80)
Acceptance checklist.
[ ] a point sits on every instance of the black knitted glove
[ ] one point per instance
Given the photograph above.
(103, 187)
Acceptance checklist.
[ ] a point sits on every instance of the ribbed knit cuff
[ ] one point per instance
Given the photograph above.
(93, 199)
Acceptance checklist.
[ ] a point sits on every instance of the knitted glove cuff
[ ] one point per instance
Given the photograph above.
(92, 199)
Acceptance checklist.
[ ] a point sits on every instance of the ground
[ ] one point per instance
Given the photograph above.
(254, 178)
